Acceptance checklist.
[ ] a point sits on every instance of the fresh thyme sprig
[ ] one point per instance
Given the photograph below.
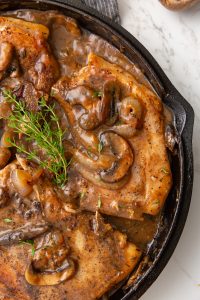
(43, 128)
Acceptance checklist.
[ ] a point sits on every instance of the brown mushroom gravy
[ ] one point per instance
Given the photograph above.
(84, 168)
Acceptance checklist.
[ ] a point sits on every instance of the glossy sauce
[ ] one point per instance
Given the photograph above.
(71, 51)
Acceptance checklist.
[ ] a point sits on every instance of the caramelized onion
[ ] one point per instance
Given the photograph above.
(5, 139)
(21, 180)
(5, 110)
(4, 156)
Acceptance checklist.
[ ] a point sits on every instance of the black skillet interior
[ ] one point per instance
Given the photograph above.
(177, 205)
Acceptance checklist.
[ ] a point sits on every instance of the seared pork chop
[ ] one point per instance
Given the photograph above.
(139, 178)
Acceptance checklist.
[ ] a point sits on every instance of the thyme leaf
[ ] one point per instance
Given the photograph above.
(165, 171)
(100, 147)
(29, 242)
(98, 94)
(7, 220)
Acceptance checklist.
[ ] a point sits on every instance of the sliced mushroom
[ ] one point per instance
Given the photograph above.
(96, 179)
(28, 231)
(123, 154)
(125, 130)
(81, 137)
(51, 264)
(110, 102)
(131, 111)
(59, 275)
(111, 170)
(98, 108)
(104, 161)
(6, 52)
(113, 163)
(85, 97)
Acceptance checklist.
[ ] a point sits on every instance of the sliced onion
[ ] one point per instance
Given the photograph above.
(5, 137)
(4, 156)
(21, 180)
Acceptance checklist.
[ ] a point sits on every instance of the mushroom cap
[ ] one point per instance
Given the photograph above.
(65, 272)
(124, 157)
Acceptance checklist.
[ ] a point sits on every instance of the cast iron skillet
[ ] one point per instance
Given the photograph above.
(177, 205)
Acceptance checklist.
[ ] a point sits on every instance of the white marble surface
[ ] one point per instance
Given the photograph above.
(174, 40)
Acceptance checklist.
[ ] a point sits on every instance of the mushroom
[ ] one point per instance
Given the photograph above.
(51, 263)
(178, 4)
(98, 108)
(28, 231)
(5, 155)
(124, 157)
(104, 161)
(114, 161)
(96, 179)
(6, 52)
(131, 111)
(111, 97)
(84, 96)
(59, 275)
(125, 130)
(81, 137)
